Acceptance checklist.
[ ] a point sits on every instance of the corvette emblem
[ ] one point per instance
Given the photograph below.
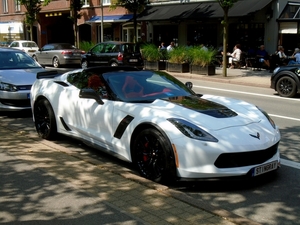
(255, 136)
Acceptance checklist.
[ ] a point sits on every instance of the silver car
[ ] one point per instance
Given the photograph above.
(58, 54)
(17, 73)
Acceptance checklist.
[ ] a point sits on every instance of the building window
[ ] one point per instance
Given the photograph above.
(17, 6)
(85, 3)
(5, 6)
(106, 2)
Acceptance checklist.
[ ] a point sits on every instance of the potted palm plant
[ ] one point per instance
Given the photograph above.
(201, 60)
(178, 60)
(154, 58)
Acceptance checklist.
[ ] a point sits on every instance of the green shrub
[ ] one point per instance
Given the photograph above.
(201, 57)
(178, 55)
(86, 45)
(151, 53)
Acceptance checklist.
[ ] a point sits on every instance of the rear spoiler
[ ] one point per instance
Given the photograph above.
(47, 74)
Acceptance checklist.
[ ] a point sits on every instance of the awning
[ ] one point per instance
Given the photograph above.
(111, 19)
(194, 11)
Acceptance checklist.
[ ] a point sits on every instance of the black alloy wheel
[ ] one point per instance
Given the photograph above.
(153, 156)
(286, 87)
(44, 120)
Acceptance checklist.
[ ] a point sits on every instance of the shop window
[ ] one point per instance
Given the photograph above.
(291, 11)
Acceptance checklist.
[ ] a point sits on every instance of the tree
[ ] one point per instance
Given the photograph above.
(33, 7)
(134, 6)
(226, 5)
(75, 7)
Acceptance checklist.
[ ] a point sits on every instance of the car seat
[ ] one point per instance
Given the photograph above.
(132, 88)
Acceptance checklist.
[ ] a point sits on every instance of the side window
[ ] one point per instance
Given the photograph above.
(109, 48)
(98, 49)
(89, 80)
(47, 48)
(116, 48)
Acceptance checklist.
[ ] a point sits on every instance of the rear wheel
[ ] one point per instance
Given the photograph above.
(114, 64)
(153, 156)
(286, 87)
(44, 119)
(55, 62)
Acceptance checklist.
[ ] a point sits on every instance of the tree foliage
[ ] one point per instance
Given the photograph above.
(226, 5)
(134, 6)
(33, 7)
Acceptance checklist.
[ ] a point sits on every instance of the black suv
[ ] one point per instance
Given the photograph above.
(113, 53)
(286, 80)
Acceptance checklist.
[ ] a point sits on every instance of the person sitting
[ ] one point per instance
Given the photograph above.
(295, 57)
(263, 56)
(282, 56)
(171, 46)
(162, 46)
(235, 56)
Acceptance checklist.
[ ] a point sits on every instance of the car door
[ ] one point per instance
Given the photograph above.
(44, 54)
(95, 55)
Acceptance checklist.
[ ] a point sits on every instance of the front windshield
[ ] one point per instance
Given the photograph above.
(17, 60)
(145, 86)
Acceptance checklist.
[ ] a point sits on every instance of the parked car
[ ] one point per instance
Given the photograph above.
(113, 53)
(5, 43)
(286, 80)
(30, 47)
(158, 123)
(58, 54)
(17, 74)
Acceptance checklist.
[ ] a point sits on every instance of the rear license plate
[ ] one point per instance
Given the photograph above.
(264, 168)
(133, 60)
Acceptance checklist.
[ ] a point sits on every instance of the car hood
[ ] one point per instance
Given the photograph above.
(19, 76)
(211, 112)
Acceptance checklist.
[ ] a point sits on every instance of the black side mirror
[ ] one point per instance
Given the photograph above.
(189, 85)
(91, 94)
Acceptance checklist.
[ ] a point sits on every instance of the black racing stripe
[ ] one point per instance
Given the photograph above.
(122, 126)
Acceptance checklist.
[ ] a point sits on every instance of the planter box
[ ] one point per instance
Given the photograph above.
(158, 65)
(179, 68)
(207, 70)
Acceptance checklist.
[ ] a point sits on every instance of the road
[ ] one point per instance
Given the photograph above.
(267, 200)
(270, 200)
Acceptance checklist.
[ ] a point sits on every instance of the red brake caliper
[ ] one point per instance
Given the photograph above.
(145, 156)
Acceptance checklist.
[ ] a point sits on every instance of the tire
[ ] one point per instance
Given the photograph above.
(114, 64)
(84, 64)
(44, 120)
(153, 156)
(55, 62)
(286, 87)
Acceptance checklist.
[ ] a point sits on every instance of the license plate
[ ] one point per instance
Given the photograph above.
(264, 168)
(133, 60)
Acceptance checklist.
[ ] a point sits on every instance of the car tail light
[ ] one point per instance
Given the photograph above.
(120, 56)
(82, 52)
(66, 52)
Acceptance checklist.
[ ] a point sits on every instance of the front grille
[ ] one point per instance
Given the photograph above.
(16, 103)
(230, 160)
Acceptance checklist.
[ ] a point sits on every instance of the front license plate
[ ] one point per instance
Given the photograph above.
(133, 60)
(264, 168)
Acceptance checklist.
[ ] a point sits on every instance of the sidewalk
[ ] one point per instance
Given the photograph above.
(113, 189)
(246, 77)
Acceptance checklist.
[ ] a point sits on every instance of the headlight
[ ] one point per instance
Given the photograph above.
(7, 87)
(268, 117)
(192, 131)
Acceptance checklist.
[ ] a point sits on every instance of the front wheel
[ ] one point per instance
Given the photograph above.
(44, 120)
(153, 156)
(55, 62)
(286, 87)
(84, 64)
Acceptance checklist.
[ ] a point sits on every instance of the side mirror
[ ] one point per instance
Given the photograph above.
(91, 94)
(189, 85)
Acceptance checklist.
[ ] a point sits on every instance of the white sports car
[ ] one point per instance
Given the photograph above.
(158, 123)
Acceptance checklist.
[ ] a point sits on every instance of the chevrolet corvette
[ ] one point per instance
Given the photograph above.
(161, 125)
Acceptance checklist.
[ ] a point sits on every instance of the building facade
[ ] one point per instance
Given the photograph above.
(251, 23)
